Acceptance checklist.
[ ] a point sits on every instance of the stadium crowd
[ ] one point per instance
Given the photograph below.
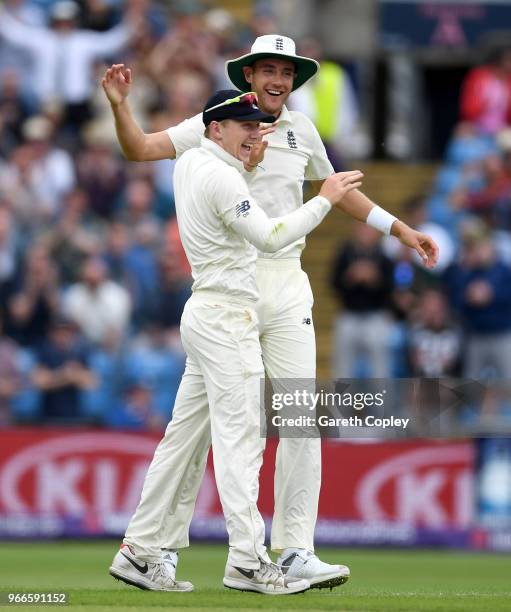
(93, 277)
(398, 319)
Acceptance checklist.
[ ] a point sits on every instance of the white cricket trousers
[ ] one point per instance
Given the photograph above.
(220, 336)
(286, 334)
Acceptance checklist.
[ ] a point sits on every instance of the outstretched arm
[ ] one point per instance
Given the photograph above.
(359, 206)
(135, 144)
(246, 218)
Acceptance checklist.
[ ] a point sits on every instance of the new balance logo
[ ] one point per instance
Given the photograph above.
(291, 140)
(279, 44)
(242, 208)
(307, 321)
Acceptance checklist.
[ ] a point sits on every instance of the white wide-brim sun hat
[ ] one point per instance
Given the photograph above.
(271, 45)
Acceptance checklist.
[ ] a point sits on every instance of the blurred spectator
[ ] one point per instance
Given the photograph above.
(10, 378)
(62, 374)
(479, 288)
(138, 207)
(136, 410)
(435, 341)
(10, 258)
(362, 278)
(77, 235)
(101, 173)
(37, 177)
(35, 301)
(99, 306)
(174, 288)
(14, 109)
(62, 55)
(467, 147)
(107, 362)
(114, 251)
(153, 360)
(486, 94)
(492, 200)
(51, 173)
(142, 272)
(329, 101)
(185, 48)
(224, 43)
(186, 94)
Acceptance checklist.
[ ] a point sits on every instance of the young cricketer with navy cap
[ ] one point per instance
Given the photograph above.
(220, 223)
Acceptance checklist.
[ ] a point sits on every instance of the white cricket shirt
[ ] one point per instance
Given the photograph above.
(219, 221)
(295, 153)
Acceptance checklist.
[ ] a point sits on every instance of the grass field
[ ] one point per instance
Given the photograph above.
(381, 580)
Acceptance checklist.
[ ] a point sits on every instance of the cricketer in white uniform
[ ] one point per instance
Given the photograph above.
(294, 153)
(219, 221)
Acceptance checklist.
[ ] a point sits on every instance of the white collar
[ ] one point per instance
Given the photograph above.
(285, 115)
(217, 150)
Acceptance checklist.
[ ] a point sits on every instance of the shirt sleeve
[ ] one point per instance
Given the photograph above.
(187, 134)
(20, 34)
(241, 213)
(319, 166)
(107, 43)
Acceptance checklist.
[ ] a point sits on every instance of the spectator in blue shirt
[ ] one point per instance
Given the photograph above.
(479, 288)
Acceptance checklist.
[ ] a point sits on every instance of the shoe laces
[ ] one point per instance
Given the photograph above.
(162, 575)
(271, 572)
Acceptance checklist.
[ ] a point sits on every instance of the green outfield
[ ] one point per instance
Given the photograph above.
(381, 580)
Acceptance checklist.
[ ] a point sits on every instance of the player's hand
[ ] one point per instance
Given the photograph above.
(336, 186)
(425, 246)
(117, 83)
(259, 148)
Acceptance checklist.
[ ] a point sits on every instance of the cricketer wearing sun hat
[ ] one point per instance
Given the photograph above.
(271, 46)
(220, 223)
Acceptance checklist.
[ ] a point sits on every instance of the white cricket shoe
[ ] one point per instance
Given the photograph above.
(305, 564)
(144, 575)
(268, 579)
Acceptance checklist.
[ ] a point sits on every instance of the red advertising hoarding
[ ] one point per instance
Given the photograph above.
(78, 483)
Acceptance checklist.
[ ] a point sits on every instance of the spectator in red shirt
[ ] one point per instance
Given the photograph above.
(486, 94)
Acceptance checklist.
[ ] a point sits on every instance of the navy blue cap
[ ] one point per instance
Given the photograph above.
(240, 107)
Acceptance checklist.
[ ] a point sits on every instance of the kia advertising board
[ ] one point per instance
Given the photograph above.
(83, 483)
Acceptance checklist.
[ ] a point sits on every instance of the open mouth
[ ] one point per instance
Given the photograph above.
(246, 147)
(274, 92)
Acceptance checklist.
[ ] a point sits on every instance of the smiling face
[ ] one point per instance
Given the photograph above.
(272, 79)
(236, 137)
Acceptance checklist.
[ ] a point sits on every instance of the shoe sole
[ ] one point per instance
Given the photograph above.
(140, 585)
(330, 583)
(240, 585)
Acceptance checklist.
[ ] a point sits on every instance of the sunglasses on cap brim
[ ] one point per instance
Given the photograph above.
(250, 97)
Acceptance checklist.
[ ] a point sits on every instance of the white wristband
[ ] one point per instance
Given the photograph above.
(380, 219)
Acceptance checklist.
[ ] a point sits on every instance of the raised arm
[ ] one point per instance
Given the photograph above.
(246, 218)
(135, 144)
(20, 34)
(105, 44)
